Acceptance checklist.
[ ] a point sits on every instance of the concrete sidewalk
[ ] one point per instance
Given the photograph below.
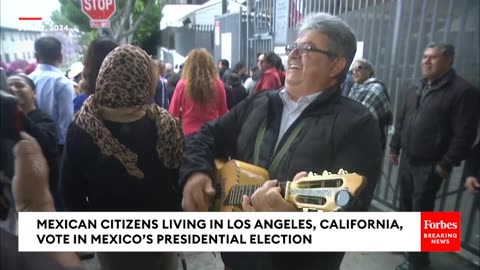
(352, 261)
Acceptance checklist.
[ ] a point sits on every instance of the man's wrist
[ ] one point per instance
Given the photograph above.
(445, 166)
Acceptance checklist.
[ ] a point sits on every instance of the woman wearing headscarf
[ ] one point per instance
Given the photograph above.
(200, 95)
(123, 152)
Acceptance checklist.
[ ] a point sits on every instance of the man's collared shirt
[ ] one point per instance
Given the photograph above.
(55, 96)
(292, 110)
(372, 94)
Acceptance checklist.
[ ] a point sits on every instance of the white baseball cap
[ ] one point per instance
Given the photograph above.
(75, 69)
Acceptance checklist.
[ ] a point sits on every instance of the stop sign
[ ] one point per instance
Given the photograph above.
(99, 10)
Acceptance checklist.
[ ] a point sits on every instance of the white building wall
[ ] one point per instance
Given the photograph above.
(207, 15)
(17, 44)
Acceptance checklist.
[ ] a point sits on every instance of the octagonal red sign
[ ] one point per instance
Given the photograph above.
(99, 10)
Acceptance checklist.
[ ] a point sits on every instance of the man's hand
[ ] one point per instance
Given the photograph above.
(472, 184)
(440, 171)
(30, 182)
(269, 199)
(31, 189)
(393, 158)
(197, 192)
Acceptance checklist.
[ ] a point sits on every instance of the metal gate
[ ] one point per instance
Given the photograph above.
(195, 36)
(258, 45)
(230, 32)
(261, 29)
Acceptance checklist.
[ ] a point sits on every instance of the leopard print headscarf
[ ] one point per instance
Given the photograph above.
(125, 83)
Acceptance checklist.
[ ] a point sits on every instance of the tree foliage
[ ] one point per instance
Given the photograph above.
(71, 49)
(150, 24)
(133, 22)
(72, 11)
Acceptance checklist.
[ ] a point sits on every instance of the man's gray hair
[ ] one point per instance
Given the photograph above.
(341, 39)
(447, 49)
(367, 65)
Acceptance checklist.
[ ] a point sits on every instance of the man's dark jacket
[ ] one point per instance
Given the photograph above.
(44, 129)
(341, 134)
(472, 168)
(437, 127)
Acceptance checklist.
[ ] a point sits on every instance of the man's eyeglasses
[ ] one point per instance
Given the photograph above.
(305, 49)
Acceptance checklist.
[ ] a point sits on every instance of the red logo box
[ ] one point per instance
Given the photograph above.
(440, 231)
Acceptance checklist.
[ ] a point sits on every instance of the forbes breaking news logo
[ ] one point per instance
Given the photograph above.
(440, 231)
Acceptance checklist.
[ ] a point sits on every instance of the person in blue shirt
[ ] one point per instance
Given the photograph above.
(54, 91)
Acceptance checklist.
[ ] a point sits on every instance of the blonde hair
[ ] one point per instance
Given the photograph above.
(200, 73)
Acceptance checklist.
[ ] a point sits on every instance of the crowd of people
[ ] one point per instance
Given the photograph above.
(135, 129)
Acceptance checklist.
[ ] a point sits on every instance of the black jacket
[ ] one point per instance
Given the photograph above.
(472, 165)
(343, 134)
(172, 82)
(472, 168)
(437, 126)
(12, 259)
(41, 127)
(44, 129)
(235, 94)
(88, 173)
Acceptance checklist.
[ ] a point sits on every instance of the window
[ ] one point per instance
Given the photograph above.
(24, 56)
(15, 57)
(7, 58)
(3, 35)
(29, 55)
(12, 36)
